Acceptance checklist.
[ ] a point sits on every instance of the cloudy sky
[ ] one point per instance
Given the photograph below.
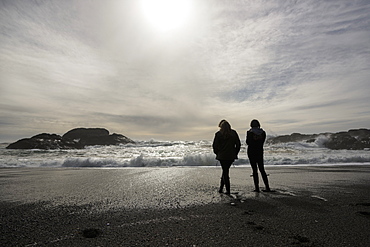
(173, 71)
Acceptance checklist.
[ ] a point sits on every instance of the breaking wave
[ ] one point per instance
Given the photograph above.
(177, 153)
(139, 161)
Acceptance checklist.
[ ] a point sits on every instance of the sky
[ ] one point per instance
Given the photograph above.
(173, 69)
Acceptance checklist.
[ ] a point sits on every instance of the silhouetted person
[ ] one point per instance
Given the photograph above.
(255, 140)
(226, 146)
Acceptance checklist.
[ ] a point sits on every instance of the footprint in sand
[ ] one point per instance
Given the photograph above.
(301, 239)
(366, 204)
(91, 233)
(363, 213)
(255, 226)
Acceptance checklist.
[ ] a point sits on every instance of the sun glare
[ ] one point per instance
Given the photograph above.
(166, 15)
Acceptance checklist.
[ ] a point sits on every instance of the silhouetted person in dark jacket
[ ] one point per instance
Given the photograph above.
(255, 140)
(226, 146)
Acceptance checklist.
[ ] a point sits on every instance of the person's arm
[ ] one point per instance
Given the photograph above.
(215, 144)
(237, 144)
(263, 137)
(248, 138)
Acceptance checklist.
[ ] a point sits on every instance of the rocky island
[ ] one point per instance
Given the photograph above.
(74, 139)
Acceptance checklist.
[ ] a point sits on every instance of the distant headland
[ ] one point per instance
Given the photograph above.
(74, 139)
(355, 139)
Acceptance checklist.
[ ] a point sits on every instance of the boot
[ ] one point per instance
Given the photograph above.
(256, 182)
(266, 182)
(222, 183)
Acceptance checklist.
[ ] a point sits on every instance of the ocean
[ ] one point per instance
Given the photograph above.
(155, 153)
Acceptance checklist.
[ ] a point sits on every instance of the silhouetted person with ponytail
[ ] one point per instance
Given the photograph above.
(226, 146)
(256, 137)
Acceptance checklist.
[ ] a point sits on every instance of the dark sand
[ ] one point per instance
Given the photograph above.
(312, 206)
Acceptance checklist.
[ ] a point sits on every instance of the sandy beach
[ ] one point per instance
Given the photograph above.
(180, 206)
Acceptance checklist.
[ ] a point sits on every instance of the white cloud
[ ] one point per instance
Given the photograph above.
(296, 66)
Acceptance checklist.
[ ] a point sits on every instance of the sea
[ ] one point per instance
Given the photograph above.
(154, 153)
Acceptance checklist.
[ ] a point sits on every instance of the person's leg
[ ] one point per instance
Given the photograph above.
(225, 174)
(253, 162)
(261, 167)
(222, 183)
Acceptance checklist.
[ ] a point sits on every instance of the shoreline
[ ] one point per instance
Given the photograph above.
(353, 164)
(312, 206)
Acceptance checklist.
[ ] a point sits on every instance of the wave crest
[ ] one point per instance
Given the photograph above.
(139, 161)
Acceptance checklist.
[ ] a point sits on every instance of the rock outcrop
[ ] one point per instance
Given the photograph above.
(45, 141)
(353, 139)
(73, 139)
(357, 139)
(295, 137)
(95, 136)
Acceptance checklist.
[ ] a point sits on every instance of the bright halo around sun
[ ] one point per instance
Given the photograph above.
(166, 15)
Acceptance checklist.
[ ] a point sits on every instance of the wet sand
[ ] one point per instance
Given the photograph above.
(311, 206)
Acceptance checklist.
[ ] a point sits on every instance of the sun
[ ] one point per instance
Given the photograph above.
(166, 15)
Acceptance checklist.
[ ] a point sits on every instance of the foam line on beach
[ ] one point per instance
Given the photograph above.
(319, 197)
(164, 220)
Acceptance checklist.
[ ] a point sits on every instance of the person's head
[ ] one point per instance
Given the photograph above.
(255, 123)
(225, 127)
(223, 120)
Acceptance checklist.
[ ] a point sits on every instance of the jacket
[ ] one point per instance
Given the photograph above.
(226, 148)
(255, 139)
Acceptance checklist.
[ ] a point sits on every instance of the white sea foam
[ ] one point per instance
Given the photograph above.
(177, 153)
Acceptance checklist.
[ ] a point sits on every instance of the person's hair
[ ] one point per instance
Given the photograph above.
(225, 128)
(223, 120)
(255, 123)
